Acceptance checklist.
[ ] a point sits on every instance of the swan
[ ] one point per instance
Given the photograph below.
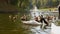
(55, 29)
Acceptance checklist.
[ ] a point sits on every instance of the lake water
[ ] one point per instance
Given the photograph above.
(8, 26)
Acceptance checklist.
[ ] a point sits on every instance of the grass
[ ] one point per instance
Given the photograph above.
(49, 9)
(57, 23)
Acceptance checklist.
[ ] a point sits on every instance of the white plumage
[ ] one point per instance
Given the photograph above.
(55, 29)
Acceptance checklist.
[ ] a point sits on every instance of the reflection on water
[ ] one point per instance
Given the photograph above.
(38, 30)
(10, 27)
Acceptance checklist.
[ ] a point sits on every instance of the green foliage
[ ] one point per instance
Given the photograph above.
(47, 3)
(25, 4)
(57, 23)
(14, 2)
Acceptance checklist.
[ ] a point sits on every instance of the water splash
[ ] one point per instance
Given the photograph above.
(34, 12)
